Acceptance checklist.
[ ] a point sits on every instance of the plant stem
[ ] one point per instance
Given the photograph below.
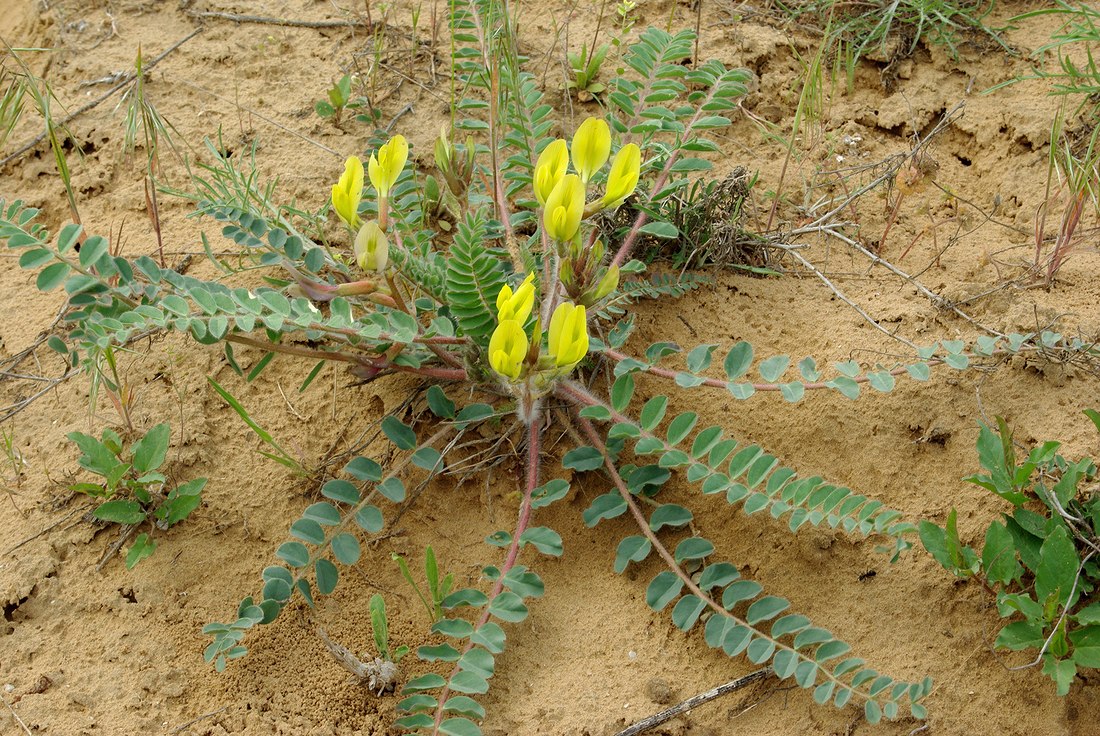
(533, 441)
(670, 561)
(717, 383)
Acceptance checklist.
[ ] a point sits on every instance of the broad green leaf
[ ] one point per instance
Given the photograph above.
(1057, 571)
(544, 539)
(999, 555)
(607, 506)
(322, 512)
(669, 514)
(719, 575)
(622, 391)
(439, 403)
(1020, 635)
(436, 653)
(469, 682)
(50, 277)
(120, 512)
(398, 432)
(294, 554)
(662, 589)
(363, 468)
(740, 590)
(417, 703)
(582, 459)
(463, 705)
(430, 681)
(774, 367)
(1086, 646)
(141, 548)
(327, 576)
(549, 492)
(508, 606)
(680, 427)
(459, 726)
(738, 360)
(686, 611)
(490, 636)
(693, 548)
(340, 490)
(478, 661)
(653, 412)
(766, 608)
(369, 519)
(760, 650)
(308, 531)
(393, 489)
(345, 548)
(1061, 671)
(634, 548)
(465, 597)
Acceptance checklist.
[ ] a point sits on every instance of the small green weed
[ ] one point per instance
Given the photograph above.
(1043, 555)
(132, 486)
(438, 590)
(586, 69)
(340, 101)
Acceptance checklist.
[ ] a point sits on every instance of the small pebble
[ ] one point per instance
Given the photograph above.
(659, 691)
(632, 654)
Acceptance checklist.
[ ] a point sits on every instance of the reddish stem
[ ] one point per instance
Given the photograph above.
(533, 437)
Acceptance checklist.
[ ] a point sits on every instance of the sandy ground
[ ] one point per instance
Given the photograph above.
(119, 652)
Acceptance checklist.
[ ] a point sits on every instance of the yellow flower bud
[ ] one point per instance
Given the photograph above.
(567, 341)
(516, 306)
(564, 208)
(507, 349)
(348, 191)
(591, 147)
(607, 284)
(386, 167)
(372, 249)
(624, 175)
(550, 168)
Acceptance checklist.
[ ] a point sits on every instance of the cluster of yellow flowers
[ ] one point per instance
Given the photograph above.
(510, 351)
(562, 195)
(371, 246)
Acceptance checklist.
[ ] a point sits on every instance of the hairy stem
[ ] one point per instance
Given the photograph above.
(533, 441)
(670, 561)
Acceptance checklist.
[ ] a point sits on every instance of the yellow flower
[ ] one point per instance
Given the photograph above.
(516, 306)
(591, 147)
(385, 169)
(507, 348)
(372, 250)
(550, 168)
(348, 191)
(624, 175)
(564, 209)
(568, 337)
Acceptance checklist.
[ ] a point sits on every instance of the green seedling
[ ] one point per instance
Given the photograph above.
(438, 590)
(586, 70)
(133, 491)
(339, 101)
(1041, 560)
(380, 630)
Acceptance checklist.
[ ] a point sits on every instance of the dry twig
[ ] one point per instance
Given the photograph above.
(696, 700)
